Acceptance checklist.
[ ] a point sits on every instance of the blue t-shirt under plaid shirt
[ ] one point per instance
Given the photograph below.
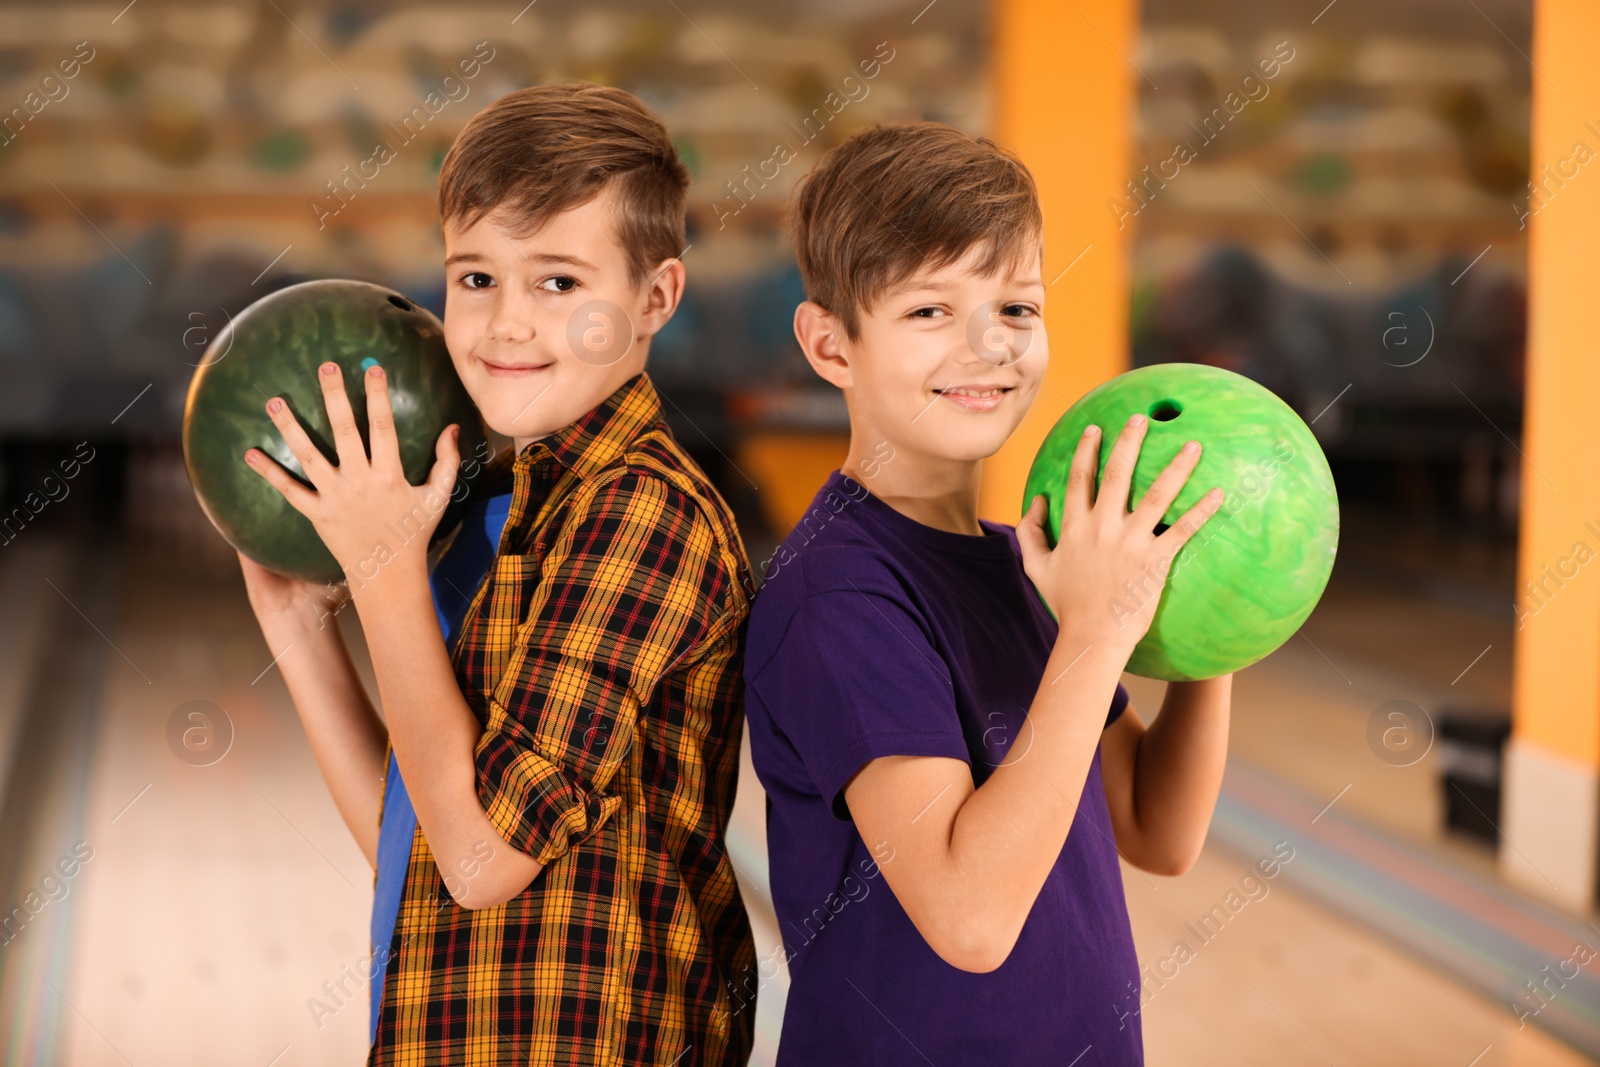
(454, 579)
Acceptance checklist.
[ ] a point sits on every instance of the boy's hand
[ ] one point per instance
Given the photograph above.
(1103, 580)
(364, 510)
(279, 598)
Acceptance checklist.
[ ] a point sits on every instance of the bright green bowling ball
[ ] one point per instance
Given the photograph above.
(273, 348)
(1246, 581)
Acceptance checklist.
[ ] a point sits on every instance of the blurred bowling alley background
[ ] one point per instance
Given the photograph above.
(1385, 212)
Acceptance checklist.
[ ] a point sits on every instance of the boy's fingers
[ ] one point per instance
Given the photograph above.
(346, 435)
(1080, 477)
(312, 461)
(1164, 490)
(1189, 525)
(1030, 530)
(1119, 468)
(442, 478)
(385, 446)
(299, 497)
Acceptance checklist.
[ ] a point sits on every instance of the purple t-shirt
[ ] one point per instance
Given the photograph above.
(875, 635)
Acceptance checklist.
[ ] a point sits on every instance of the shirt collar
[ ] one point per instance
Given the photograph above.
(587, 445)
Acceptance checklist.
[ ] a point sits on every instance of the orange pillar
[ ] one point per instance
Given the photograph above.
(1064, 100)
(1551, 815)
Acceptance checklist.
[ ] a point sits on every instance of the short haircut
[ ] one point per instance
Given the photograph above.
(889, 201)
(539, 151)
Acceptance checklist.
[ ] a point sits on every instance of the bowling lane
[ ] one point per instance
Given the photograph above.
(1297, 981)
(225, 900)
(1287, 984)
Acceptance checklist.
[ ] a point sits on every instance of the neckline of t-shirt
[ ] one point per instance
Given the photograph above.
(993, 542)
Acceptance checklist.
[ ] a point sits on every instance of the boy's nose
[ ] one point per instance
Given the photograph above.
(510, 327)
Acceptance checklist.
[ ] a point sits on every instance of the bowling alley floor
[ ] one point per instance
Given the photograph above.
(1385, 940)
(222, 917)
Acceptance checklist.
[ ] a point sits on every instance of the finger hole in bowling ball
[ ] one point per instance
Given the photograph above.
(401, 302)
(1161, 528)
(1165, 410)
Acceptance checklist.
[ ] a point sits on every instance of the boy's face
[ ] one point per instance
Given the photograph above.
(931, 348)
(542, 328)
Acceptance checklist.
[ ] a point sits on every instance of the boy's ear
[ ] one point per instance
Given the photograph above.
(663, 290)
(822, 339)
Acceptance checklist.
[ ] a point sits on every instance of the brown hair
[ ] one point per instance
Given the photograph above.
(891, 200)
(539, 151)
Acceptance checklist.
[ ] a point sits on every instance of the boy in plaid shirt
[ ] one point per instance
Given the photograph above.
(566, 747)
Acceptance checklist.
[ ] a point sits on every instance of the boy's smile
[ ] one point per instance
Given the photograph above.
(513, 370)
(542, 328)
(975, 397)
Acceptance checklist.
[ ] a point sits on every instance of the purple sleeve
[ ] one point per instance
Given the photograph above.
(1119, 700)
(855, 678)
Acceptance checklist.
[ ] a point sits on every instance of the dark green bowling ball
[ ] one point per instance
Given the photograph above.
(1246, 581)
(273, 348)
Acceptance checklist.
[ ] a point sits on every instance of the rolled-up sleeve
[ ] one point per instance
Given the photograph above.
(633, 584)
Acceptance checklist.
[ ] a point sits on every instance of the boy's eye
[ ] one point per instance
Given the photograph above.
(1016, 311)
(561, 283)
(927, 313)
(476, 280)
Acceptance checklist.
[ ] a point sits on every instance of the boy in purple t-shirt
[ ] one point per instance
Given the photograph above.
(950, 774)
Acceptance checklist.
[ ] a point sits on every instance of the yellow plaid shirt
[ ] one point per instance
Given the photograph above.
(602, 653)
